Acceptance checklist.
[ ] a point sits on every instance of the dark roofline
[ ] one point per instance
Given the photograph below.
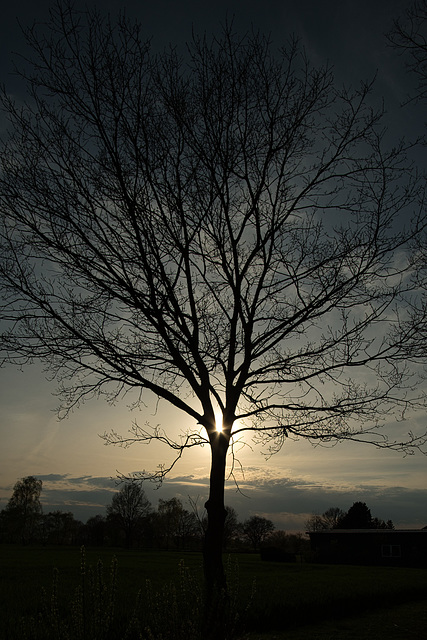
(344, 531)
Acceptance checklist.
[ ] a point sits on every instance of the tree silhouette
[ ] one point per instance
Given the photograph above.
(357, 517)
(256, 529)
(409, 37)
(222, 229)
(175, 524)
(23, 512)
(231, 526)
(95, 530)
(59, 527)
(328, 520)
(128, 508)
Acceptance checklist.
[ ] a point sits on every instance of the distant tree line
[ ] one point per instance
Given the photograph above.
(129, 521)
(357, 517)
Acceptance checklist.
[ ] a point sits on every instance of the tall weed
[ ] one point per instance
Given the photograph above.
(176, 611)
(88, 614)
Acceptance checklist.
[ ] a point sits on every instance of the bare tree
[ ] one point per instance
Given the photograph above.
(231, 523)
(231, 526)
(332, 516)
(128, 508)
(175, 525)
(222, 229)
(315, 523)
(328, 520)
(409, 37)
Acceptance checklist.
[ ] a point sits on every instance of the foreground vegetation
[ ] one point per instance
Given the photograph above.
(57, 592)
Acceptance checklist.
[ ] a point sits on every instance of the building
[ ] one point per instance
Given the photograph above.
(392, 547)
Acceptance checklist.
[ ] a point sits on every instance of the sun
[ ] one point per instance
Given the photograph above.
(218, 421)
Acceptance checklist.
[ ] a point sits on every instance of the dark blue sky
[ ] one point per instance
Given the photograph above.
(348, 33)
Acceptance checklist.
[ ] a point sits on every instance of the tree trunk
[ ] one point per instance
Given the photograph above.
(212, 552)
(215, 580)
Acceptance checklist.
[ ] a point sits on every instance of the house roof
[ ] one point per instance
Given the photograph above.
(366, 531)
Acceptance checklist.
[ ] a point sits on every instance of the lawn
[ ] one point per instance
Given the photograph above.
(398, 622)
(275, 600)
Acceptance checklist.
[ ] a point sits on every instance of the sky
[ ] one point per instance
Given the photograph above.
(77, 469)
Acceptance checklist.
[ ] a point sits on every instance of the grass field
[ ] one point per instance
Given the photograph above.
(275, 600)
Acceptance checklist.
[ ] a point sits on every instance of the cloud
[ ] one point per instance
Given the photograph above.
(95, 481)
(53, 477)
(278, 496)
(288, 502)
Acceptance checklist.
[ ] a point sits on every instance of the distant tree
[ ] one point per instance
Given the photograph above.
(22, 515)
(59, 527)
(332, 516)
(231, 526)
(4, 527)
(256, 529)
(129, 508)
(328, 520)
(357, 517)
(200, 515)
(175, 525)
(231, 523)
(285, 546)
(296, 543)
(378, 523)
(95, 531)
(315, 523)
(219, 229)
(279, 539)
